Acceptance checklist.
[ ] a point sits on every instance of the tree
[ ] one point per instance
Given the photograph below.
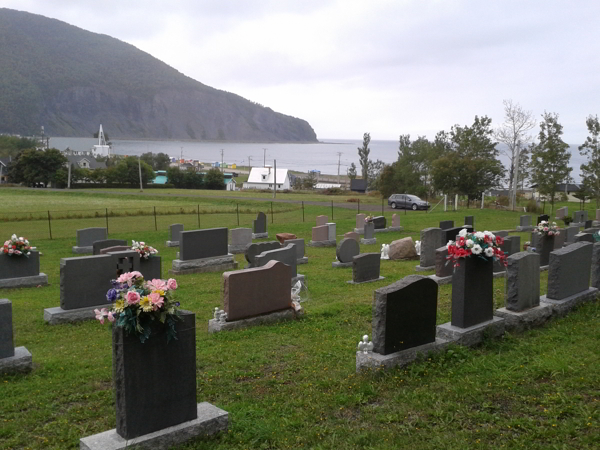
(158, 161)
(310, 181)
(590, 171)
(36, 166)
(214, 179)
(469, 163)
(127, 172)
(12, 145)
(514, 134)
(373, 172)
(550, 157)
(352, 171)
(363, 156)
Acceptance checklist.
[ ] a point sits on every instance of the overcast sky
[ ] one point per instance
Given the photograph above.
(387, 67)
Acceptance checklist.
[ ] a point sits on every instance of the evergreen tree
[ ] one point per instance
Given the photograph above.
(363, 156)
(352, 171)
(590, 171)
(36, 166)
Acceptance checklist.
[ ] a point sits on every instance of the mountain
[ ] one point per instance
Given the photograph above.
(70, 80)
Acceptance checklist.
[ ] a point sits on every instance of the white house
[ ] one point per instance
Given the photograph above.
(264, 178)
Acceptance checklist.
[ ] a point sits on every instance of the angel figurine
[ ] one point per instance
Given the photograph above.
(385, 248)
(365, 345)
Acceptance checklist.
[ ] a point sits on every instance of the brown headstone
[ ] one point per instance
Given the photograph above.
(352, 235)
(360, 221)
(252, 292)
(282, 237)
(322, 220)
(403, 249)
(395, 220)
(320, 233)
(116, 248)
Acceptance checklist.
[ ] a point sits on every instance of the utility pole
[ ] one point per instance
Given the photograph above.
(69, 177)
(180, 157)
(274, 178)
(221, 160)
(264, 157)
(339, 157)
(249, 163)
(140, 171)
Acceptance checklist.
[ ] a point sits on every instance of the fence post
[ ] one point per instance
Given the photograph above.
(198, 212)
(49, 225)
(238, 213)
(302, 210)
(155, 225)
(106, 221)
(271, 212)
(332, 210)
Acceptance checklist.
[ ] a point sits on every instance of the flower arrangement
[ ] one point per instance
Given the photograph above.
(138, 303)
(368, 219)
(546, 229)
(484, 245)
(596, 236)
(143, 249)
(16, 246)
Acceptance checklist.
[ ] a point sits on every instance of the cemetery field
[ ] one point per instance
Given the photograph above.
(294, 385)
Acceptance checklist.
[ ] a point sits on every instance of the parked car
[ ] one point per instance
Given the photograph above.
(406, 201)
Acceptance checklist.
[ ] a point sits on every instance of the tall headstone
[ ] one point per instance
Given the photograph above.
(569, 271)
(446, 224)
(559, 240)
(286, 255)
(451, 233)
(470, 220)
(570, 233)
(106, 243)
(369, 231)
(472, 292)
(395, 221)
(404, 314)
(299, 244)
(86, 238)
(598, 214)
(346, 250)
(524, 223)
(596, 265)
(543, 217)
(443, 266)
(331, 232)
(431, 239)
(84, 280)
(12, 359)
(545, 245)
(365, 267)
(241, 238)
(199, 244)
(322, 220)
(174, 235)
(257, 248)
(260, 225)
(522, 281)
(360, 221)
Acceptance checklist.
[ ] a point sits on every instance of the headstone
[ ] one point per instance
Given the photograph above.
(331, 234)
(524, 223)
(451, 233)
(561, 213)
(472, 292)
(260, 224)
(569, 271)
(579, 217)
(360, 221)
(241, 238)
(151, 268)
(588, 224)
(404, 314)
(369, 230)
(430, 241)
(258, 248)
(544, 217)
(501, 233)
(395, 220)
(379, 222)
(252, 292)
(402, 249)
(598, 214)
(446, 224)
(320, 233)
(522, 281)
(174, 235)
(126, 261)
(116, 248)
(570, 233)
(584, 237)
(87, 236)
(365, 267)
(106, 243)
(545, 245)
(19, 266)
(299, 246)
(322, 220)
(346, 250)
(443, 266)
(282, 237)
(199, 244)
(559, 240)
(535, 239)
(470, 220)
(286, 255)
(7, 346)
(352, 235)
(512, 245)
(596, 265)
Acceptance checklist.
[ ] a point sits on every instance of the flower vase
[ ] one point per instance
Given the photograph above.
(155, 381)
(544, 247)
(472, 292)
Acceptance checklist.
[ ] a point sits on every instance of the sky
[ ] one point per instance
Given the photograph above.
(387, 67)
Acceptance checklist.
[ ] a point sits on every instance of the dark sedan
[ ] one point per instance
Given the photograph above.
(406, 201)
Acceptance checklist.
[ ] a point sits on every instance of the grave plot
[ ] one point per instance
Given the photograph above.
(260, 226)
(174, 235)
(86, 238)
(203, 251)
(12, 360)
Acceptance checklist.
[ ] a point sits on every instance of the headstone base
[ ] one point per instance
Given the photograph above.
(499, 274)
(303, 260)
(337, 264)
(33, 281)
(57, 315)
(543, 268)
(82, 250)
(368, 241)
(562, 307)
(322, 244)
(211, 420)
(172, 243)
(260, 235)
(577, 224)
(21, 362)
(596, 223)
(375, 361)
(388, 230)
(441, 280)
(359, 230)
(527, 228)
(424, 269)
(472, 335)
(520, 321)
(368, 281)
(214, 264)
(235, 249)
(214, 326)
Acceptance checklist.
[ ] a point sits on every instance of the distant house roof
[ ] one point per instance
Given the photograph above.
(5, 161)
(266, 175)
(91, 161)
(357, 185)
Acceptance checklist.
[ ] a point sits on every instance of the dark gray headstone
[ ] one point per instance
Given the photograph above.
(258, 248)
(365, 267)
(584, 237)
(200, 244)
(106, 243)
(369, 229)
(559, 240)
(446, 224)
(535, 239)
(379, 222)
(151, 268)
(125, 261)
(260, 224)
(19, 266)
(522, 281)
(545, 245)
(451, 233)
(431, 240)
(472, 292)
(299, 243)
(545, 217)
(444, 267)
(596, 265)
(167, 371)
(404, 314)
(569, 271)
(7, 345)
(525, 221)
(85, 280)
(175, 232)
(87, 236)
(570, 233)
(286, 255)
(580, 216)
(510, 246)
(347, 249)
(470, 220)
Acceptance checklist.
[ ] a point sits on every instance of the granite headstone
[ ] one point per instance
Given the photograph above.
(346, 250)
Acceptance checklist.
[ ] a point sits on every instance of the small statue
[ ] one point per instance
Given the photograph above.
(223, 317)
(418, 247)
(365, 345)
(385, 248)
(217, 313)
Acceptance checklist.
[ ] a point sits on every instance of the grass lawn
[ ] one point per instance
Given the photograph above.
(294, 385)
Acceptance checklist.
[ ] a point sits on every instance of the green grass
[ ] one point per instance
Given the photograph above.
(293, 385)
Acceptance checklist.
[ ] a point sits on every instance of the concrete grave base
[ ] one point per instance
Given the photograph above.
(520, 321)
(359, 230)
(526, 228)
(368, 281)
(214, 326)
(441, 280)
(388, 229)
(260, 235)
(82, 250)
(211, 420)
(472, 335)
(172, 243)
(322, 244)
(562, 307)
(402, 358)
(21, 362)
(368, 241)
(303, 260)
(57, 315)
(596, 223)
(213, 264)
(235, 249)
(424, 269)
(337, 264)
(577, 224)
(33, 281)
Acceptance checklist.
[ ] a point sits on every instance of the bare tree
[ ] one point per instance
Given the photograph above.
(514, 134)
